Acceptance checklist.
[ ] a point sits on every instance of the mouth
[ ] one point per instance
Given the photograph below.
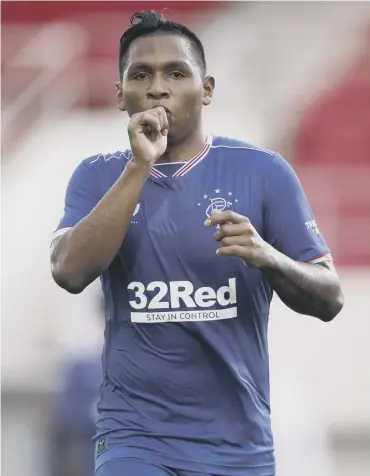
(168, 111)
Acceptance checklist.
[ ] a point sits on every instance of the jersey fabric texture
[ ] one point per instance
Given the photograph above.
(185, 362)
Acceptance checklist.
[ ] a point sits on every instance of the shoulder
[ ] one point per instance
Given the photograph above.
(106, 160)
(98, 172)
(103, 168)
(240, 146)
(251, 154)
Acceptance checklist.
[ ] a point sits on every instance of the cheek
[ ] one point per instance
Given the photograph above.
(133, 101)
(190, 101)
(134, 97)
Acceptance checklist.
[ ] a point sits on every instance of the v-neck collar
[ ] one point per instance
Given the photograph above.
(187, 166)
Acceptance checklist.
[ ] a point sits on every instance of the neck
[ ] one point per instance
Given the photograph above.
(185, 150)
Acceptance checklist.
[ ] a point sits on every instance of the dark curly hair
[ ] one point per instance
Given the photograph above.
(146, 22)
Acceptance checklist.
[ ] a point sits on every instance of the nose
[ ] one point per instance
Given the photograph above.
(157, 89)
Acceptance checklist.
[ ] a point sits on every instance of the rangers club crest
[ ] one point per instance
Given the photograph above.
(218, 202)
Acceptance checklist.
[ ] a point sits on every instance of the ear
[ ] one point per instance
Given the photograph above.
(209, 84)
(120, 97)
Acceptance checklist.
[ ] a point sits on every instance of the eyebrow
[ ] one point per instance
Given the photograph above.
(166, 66)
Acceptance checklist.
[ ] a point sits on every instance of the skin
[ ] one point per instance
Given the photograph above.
(161, 69)
(169, 77)
(161, 72)
(306, 288)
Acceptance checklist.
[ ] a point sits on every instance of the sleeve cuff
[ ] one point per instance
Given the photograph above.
(59, 233)
(319, 259)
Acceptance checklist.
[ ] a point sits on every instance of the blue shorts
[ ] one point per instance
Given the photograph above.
(138, 467)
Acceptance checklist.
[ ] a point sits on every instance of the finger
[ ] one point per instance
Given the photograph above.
(165, 125)
(234, 250)
(222, 218)
(148, 119)
(150, 124)
(233, 230)
(236, 240)
(163, 120)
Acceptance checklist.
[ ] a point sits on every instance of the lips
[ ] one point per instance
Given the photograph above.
(164, 107)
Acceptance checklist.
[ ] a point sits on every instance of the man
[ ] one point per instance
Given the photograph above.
(186, 382)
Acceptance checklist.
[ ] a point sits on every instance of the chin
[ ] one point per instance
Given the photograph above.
(176, 136)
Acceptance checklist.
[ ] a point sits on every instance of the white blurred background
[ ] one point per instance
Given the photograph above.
(292, 76)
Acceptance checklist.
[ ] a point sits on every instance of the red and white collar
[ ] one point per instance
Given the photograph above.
(190, 164)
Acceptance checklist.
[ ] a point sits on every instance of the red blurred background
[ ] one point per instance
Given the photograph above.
(290, 76)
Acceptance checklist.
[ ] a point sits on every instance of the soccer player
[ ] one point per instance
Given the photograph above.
(190, 235)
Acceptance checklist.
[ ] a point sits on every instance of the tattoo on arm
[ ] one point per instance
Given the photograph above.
(307, 288)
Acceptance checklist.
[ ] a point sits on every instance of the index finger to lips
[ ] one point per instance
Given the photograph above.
(221, 218)
(164, 119)
(162, 116)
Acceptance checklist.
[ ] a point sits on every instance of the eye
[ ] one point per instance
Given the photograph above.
(176, 75)
(140, 76)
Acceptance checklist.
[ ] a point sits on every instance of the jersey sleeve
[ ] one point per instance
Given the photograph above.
(82, 195)
(290, 225)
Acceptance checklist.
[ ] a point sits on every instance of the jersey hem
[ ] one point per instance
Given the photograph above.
(181, 465)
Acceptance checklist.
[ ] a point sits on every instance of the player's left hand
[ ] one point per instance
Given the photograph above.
(238, 237)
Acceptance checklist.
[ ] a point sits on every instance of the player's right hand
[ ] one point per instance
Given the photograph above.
(148, 135)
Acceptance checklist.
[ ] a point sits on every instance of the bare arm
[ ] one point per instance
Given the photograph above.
(83, 252)
(306, 288)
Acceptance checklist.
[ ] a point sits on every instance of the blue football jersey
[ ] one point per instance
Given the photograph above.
(185, 362)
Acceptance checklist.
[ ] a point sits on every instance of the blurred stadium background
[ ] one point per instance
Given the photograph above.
(292, 76)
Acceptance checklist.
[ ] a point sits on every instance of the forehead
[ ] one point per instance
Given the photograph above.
(160, 48)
